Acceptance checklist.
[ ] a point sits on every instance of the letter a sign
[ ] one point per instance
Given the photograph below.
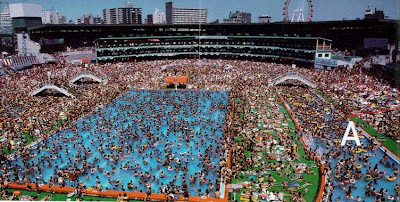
(346, 134)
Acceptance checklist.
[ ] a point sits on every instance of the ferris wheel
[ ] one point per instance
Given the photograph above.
(298, 13)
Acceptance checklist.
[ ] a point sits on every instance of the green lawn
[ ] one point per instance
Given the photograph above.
(387, 141)
(313, 179)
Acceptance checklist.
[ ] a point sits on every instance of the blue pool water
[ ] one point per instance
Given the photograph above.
(177, 124)
(328, 148)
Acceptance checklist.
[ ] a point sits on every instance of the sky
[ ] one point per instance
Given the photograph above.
(324, 10)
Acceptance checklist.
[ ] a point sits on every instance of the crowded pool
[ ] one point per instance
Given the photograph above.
(356, 173)
(143, 139)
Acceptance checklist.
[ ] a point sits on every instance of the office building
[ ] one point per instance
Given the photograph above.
(185, 15)
(97, 20)
(5, 19)
(377, 14)
(264, 19)
(25, 15)
(149, 19)
(238, 17)
(87, 19)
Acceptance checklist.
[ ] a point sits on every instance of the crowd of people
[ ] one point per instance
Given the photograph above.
(36, 115)
(161, 139)
(347, 165)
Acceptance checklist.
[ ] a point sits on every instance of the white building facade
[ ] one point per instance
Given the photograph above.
(158, 17)
(5, 19)
(26, 10)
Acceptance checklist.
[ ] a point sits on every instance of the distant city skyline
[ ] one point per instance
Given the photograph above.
(324, 10)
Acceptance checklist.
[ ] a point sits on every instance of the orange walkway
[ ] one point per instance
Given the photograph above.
(111, 193)
(321, 187)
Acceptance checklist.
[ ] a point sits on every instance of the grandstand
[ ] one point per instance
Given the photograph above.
(18, 63)
(300, 49)
(350, 33)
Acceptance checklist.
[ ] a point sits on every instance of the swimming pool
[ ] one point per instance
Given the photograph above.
(136, 137)
(328, 149)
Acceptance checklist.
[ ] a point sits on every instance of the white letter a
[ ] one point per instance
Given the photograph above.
(346, 134)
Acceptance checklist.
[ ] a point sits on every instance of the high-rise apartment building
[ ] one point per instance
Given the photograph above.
(238, 17)
(52, 17)
(185, 15)
(127, 15)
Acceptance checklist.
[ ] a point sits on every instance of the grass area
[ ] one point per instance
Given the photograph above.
(61, 197)
(277, 187)
(391, 144)
(387, 141)
(29, 139)
(25, 136)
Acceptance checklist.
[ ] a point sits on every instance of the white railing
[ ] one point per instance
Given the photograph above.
(49, 85)
(292, 75)
(88, 74)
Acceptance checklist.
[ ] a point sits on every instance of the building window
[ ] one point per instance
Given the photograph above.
(326, 55)
(320, 55)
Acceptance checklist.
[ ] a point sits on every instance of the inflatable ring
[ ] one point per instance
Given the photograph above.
(89, 189)
(41, 185)
(93, 170)
(223, 170)
(203, 197)
(17, 193)
(105, 173)
(391, 178)
(368, 177)
(353, 181)
(336, 141)
(358, 166)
